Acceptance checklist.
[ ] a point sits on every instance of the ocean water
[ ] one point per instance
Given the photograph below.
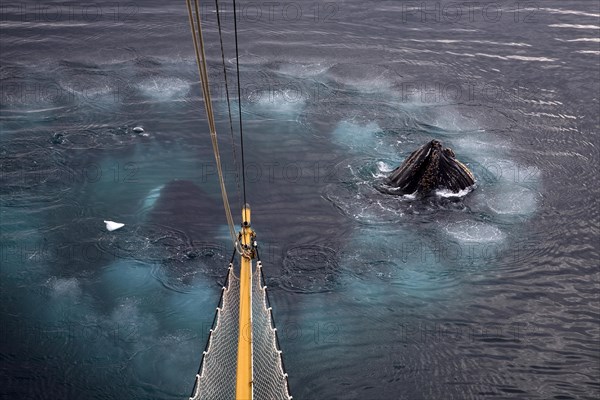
(493, 294)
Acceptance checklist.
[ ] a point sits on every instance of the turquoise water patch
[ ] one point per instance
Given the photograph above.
(194, 308)
(450, 235)
(367, 137)
(129, 279)
(377, 257)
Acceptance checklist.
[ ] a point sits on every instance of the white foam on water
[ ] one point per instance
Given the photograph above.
(89, 87)
(96, 93)
(165, 88)
(155, 341)
(451, 119)
(303, 70)
(383, 169)
(575, 26)
(358, 204)
(448, 193)
(419, 97)
(358, 137)
(474, 232)
(477, 145)
(284, 101)
(504, 171)
(370, 85)
(515, 200)
(368, 79)
(125, 312)
(64, 287)
(564, 12)
(65, 301)
(527, 175)
(135, 329)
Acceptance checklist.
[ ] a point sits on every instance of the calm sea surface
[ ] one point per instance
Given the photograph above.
(494, 295)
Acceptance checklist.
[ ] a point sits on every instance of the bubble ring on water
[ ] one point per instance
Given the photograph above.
(148, 243)
(29, 167)
(179, 271)
(310, 269)
(177, 260)
(101, 137)
(355, 194)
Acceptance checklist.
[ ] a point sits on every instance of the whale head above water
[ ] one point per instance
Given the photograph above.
(431, 167)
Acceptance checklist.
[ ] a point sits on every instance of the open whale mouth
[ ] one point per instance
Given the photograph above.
(431, 169)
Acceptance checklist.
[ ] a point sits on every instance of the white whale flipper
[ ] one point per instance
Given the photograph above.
(113, 226)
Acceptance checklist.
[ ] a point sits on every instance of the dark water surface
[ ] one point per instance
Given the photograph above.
(493, 295)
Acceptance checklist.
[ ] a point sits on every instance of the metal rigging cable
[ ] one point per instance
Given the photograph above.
(237, 66)
(237, 175)
(196, 29)
(244, 301)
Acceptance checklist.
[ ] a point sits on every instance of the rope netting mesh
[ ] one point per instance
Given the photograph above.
(216, 378)
(270, 379)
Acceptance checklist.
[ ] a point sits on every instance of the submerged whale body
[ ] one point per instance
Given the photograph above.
(184, 206)
(431, 167)
(182, 226)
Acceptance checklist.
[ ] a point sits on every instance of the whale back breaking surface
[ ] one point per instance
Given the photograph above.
(429, 168)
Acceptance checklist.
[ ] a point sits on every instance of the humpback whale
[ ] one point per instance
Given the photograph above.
(429, 168)
(184, 206)
(179, 222)
(183, 222)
